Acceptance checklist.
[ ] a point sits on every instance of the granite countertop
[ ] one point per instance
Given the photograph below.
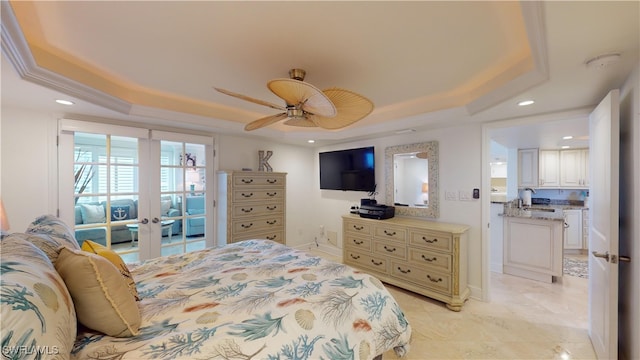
(533, 214)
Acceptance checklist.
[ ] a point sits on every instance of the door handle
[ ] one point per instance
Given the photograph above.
(600, 255)
(144, 221)
(625, 258)
(155, 220)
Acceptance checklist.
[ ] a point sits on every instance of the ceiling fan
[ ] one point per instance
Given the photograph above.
(308, 106)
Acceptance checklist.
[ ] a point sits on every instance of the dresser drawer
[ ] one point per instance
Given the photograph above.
(357, 242)
(276, 235)
(259, 181)
(395, 249)
(429, 259)
(257, 194)
(266, 223)
(359, 259)
(390, 232)
(431, 239)
(357, 227)
(433, 280)
(257, 209)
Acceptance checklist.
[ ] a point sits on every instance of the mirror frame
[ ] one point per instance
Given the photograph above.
(431, 148)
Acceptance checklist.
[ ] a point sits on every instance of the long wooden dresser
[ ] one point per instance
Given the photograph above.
(426, 257)
(251, 205)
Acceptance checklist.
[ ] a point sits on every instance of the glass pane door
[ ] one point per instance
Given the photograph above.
(182, 197)
(106, 192)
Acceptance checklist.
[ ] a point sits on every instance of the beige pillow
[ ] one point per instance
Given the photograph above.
(101, 298)
(116, 260)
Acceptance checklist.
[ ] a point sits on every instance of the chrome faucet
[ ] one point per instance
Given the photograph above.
(530, 189)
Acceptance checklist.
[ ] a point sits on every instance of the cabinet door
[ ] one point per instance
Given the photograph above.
(527, 167)
(572, 168)
(549, 168)
(573, 229)
(585, 167)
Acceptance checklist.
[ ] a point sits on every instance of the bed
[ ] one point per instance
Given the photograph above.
(254, 299)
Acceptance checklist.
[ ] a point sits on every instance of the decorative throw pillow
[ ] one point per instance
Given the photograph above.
(56, 229)
(102, 300)
(165, 205)
(37, 311)
(116, 260)
(119, 212)
(92, 214)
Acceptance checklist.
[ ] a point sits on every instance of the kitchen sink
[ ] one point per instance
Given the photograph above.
(543, 209)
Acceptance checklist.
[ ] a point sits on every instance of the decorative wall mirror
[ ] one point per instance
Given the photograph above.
(411, 178)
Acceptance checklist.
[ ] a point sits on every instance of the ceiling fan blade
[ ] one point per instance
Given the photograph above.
(301, 122)
(296, 92)
(265, 121)
(351, 108)
(250, 99)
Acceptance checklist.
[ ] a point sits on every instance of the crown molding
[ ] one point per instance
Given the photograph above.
(16, 49)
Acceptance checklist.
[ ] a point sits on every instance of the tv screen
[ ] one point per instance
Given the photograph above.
(351, 169)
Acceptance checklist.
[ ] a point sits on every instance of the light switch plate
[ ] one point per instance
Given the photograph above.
(450, 195)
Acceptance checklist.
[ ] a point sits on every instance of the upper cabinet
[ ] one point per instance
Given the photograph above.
(528, 167)
(549, 168)
(553, 168)
(574, 168)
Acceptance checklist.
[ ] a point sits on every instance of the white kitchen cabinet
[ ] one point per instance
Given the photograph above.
(585, 229)
(574, 168)
(528, 167)
(533, 248)
(499, 170)
(573, 229)
(549, 168)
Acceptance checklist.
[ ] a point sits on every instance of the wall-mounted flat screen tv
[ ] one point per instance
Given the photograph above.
(351, 169)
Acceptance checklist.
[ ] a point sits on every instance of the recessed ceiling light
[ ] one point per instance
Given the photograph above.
(405, 131)
(565, 146)
(525, 102)
(311, 141)
(602, 61)
(64, 102)
(568, 137)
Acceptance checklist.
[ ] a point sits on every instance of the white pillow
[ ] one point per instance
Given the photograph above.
(92, 214)
(165, 205)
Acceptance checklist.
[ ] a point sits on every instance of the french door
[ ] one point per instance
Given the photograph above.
(140, 192)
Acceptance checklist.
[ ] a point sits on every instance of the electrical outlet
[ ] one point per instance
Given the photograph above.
(332, 238)
(450, 195)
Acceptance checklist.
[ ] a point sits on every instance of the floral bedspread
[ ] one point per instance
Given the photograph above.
(255, 299)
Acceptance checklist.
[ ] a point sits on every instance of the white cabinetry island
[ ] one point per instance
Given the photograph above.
(533, 246)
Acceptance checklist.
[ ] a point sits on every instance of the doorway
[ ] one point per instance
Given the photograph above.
(142, 193)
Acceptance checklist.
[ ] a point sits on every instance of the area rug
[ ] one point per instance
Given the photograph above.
(576, 267)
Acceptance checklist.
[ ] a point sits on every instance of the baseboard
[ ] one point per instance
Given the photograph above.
(496, 267)
(330, 250)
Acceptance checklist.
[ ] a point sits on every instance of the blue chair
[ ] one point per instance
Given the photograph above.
(194, 225)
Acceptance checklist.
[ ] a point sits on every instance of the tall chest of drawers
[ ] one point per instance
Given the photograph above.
(251, 205)
(426, 257)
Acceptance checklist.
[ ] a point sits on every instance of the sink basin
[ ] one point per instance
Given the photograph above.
(540, 209)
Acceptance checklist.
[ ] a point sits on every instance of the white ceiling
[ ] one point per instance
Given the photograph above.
(422, 63)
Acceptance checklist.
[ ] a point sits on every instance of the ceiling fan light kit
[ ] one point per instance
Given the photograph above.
(308, 106)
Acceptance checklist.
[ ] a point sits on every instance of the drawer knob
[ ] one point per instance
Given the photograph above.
(272, 194)
(358, 242)
(376, 263)
(358, 227)
(247, 181)
(434, 279)
(429, 260)
(430, 241)
(271, 222)
(247, 195)
(356, 257)
(389, 249)
(246, 226)
(404, 271)
(247, 210)
(272, 181)
(271, 237)
(390, 233)
(271, 207)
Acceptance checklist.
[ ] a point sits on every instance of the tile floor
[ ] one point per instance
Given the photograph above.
(525, 319)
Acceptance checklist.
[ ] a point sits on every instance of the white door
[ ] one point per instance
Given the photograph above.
(604, 130)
